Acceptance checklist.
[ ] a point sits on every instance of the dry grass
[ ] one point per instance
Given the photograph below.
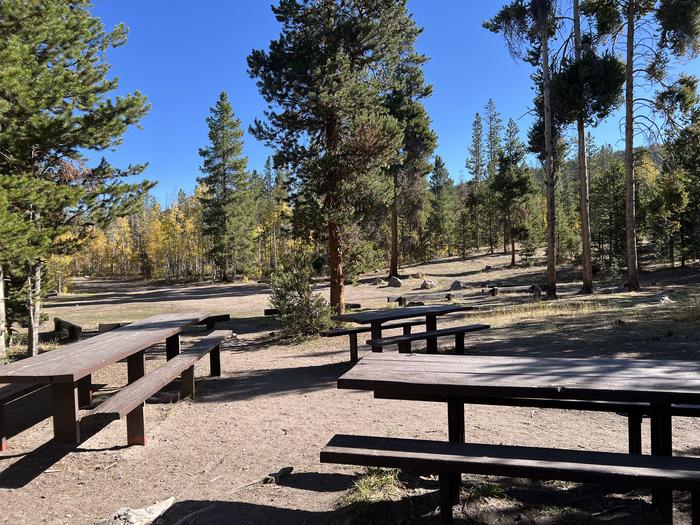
(376, 484)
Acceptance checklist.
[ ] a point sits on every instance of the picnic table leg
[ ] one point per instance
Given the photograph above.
(215, 362)
(187, 383)
(353, 348)
(634, 431)
(66, 422)
(459, 344)
(407, 344)
(445, 498)
(3, 429)
(376, 334)
(85, 391)
(135, 420)
(662, 445)
(430, 325)
(455, 434)
(172, 346)
(695, 508)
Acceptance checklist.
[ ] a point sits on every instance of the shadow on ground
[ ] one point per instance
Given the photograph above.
(520, 502)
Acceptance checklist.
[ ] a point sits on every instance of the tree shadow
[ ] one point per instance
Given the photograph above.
(258, 383)
(34, 463)
(149, 294)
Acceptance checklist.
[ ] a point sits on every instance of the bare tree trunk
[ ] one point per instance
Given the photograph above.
(512, 239)
(34, 307)
(3, 318)
(586, 259)
(335, 250)
(394, 256)
(549, 158)
(630, 212)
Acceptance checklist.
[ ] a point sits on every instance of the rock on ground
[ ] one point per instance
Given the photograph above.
(395, 282)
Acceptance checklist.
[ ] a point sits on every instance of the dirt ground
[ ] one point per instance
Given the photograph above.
(276, 405)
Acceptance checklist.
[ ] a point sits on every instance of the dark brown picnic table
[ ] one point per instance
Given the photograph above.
(69, 369)
(375, 318)
(457, 379)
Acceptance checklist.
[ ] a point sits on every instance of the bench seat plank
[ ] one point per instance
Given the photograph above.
(133, 395)
(364, 329)
(386, 341)
(633, 471)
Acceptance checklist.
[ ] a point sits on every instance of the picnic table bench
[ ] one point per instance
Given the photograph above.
(404, 341)
(68, 370)
(353, 331)
(129, 401)
(450, 458)
(376, 318)
(662, 388)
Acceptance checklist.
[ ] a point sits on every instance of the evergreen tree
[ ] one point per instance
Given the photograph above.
(59, 103)
(442, 215)
(227, 204)
(585, 91)
(656, 32)
(528, 26)
(326, 116)
(476, 165)
(512, 181)
(494, 127)
(404, 102)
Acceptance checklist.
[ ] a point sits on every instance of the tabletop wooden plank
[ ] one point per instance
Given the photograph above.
(76, 360)
(508, 377)
(391, 314)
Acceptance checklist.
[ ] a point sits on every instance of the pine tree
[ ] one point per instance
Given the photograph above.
(494, 127)
(656, 32)
(326, 116)
(227, 204)
(476, 165)
(442, 215)
(528, 26)
(55, 73)
(405, 104)
(512, 181)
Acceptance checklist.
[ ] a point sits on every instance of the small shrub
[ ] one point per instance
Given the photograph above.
(302, 312)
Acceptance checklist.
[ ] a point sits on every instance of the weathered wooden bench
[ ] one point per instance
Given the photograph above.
(353, 331)
(129, 401)
(9, 393)
(74, 331)
(449, 458)
(404, 341)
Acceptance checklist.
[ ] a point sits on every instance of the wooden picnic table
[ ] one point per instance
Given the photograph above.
(457, 379)
(69, 369)
(375, 318)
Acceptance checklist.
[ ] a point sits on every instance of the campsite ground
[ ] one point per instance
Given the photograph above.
(276, 405)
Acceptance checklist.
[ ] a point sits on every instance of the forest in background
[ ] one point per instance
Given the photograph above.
(354, 177)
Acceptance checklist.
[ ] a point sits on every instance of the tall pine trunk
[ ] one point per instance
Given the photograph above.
(586, 258)
(394, 262)
(549, 157)
(3, 318)
(33, 307)
(630, 192)
(512, 238)
(335, 250)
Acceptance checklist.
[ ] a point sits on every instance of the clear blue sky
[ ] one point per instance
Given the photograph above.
(182, 54)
